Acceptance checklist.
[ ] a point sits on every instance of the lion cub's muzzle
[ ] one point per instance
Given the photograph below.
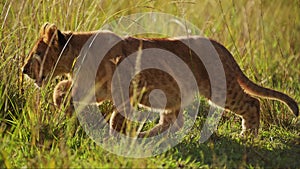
(33, 73)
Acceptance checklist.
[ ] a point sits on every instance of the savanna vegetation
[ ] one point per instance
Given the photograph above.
(263, 36)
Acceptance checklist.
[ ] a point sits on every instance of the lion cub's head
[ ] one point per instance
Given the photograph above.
(44, 59)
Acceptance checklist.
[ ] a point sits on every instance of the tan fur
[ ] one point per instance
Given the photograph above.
(61, 96)
(240, 90)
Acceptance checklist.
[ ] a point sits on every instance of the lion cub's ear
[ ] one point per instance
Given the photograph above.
(116, 60)
(43, 28)
(52, 34)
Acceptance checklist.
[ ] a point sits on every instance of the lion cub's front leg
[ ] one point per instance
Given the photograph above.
(117, 123)
(62, 100)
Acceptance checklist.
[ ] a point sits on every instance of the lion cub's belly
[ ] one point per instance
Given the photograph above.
(159, 90)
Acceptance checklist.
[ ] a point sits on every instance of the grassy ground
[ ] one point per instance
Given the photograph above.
(262, 35)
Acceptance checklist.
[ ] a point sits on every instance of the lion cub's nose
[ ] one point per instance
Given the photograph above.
(25, 70)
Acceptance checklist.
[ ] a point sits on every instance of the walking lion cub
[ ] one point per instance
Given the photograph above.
(55, 51)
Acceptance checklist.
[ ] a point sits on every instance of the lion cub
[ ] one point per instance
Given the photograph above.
(55, 52)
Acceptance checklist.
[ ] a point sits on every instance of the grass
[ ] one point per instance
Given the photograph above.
(262, 35)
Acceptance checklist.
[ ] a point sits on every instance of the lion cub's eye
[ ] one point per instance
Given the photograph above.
(38, 53)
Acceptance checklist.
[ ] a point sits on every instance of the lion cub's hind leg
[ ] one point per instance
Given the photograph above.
(245, 106)
(172, 121)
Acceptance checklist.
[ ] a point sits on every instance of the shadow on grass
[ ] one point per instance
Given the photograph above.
(220, 151)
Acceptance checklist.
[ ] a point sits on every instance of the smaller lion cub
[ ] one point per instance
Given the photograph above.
(62, 97)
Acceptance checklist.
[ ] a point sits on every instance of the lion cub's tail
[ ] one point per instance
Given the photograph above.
(256, 90)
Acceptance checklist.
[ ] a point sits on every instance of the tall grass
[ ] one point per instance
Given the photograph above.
(262, 35)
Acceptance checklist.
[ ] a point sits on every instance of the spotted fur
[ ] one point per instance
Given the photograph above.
(55, 52)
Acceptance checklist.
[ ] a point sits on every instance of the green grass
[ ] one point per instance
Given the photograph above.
(262, 35)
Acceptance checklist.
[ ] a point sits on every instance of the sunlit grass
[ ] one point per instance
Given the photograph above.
(263, 36)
